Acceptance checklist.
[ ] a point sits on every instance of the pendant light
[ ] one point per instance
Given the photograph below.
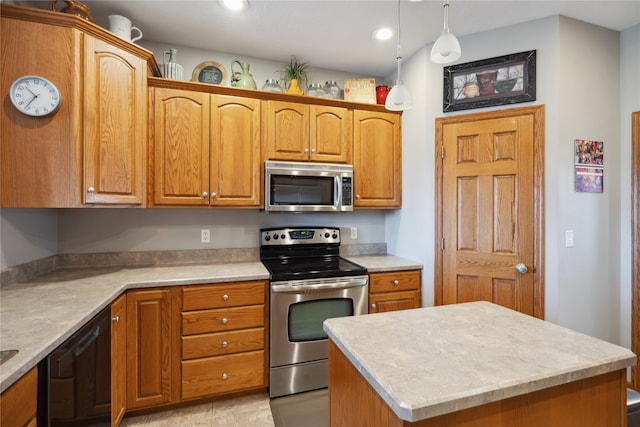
(447, 48)
(399, 97)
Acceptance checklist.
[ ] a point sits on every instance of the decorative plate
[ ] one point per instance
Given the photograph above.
(209, 72)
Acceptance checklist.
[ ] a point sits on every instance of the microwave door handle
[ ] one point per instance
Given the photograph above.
(338, 192)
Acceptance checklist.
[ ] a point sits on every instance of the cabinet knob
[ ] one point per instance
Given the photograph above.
(224, 376)
(306, 150)
(224, 344)
(395, 282)
(358, 196)
(213, 195)
(313, 150)
(225, 297)
(373, 306)
(204, 194)
(224, 320)
(91, 190)
(116, 319)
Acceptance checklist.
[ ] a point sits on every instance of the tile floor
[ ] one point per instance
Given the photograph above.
(246, 411)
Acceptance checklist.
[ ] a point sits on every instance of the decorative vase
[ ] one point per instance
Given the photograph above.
(242, 78)
(294, 88)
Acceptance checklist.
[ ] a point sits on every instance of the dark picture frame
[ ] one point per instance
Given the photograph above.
(508, 79)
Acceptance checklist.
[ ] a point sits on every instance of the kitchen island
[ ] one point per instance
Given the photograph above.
(472, 364)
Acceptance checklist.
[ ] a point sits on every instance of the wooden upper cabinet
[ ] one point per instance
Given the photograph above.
(301, 132)
(96, 139)
(180, 139)
(206, 149)
(236, 172)
(115, 110)
(377, 163)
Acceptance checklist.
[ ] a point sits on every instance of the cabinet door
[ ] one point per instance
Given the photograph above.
(115, 131)
(235, 152)
(118, 360)
(285, 131)
(331, 134)
(392, 301)
(18, 404)
(180, 140)
(377, 160)
(149, 353)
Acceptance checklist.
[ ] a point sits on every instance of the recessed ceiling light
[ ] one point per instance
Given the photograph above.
(235, 4)
(384, 33)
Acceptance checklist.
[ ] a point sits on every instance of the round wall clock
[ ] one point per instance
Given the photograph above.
(35, 96)
(209, 72)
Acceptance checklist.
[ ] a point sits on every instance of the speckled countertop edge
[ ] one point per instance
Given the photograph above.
(38, 315)
(426, 371)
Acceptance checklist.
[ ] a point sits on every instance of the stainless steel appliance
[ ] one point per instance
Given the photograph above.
(308, 187)
(310, 282)
(75, 379)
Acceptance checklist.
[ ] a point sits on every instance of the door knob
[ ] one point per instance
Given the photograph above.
(521, 268)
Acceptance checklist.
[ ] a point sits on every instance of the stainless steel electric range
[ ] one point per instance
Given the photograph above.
(310, 282)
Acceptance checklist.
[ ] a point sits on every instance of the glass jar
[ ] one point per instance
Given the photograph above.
(272, 85)
(332, 89)
(315, 89)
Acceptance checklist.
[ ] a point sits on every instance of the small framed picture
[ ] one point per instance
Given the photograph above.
(209, 72)
(507, 79)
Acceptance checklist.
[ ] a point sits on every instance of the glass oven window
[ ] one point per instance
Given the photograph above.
(305, 318)
(301, 190)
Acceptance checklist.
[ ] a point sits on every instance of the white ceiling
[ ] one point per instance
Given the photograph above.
(336, 34)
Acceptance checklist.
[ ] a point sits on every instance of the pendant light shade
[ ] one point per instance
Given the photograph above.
(399, 97)
(447, 48)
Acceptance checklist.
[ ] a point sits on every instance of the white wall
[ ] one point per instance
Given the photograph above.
(629, 102)
(583, 282)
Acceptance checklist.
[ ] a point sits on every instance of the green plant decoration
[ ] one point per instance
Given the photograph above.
(295, 70)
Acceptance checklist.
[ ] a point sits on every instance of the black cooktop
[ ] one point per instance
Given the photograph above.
(301, 253)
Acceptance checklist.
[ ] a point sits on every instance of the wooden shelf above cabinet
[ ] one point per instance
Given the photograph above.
(263, 95)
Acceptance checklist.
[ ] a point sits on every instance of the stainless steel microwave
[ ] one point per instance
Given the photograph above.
(308, 187)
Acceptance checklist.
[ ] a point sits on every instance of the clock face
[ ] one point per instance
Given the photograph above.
(34, 96)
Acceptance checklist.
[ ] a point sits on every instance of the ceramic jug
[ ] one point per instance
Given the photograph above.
(172, 70)
(381, 93)
(242, 78)
(121, 27)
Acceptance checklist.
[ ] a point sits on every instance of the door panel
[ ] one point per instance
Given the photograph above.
(488, 219)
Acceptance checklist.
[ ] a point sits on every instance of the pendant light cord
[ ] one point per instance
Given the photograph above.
(446, 15)
(398, 48)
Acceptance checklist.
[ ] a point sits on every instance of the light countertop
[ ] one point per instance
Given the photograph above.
(443, 359)
(39, 315)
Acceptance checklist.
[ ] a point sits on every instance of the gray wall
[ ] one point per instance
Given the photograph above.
(578, 65)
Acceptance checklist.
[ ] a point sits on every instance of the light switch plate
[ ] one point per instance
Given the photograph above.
(568, 238)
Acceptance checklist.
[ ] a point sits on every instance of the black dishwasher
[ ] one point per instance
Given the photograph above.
(75, 380)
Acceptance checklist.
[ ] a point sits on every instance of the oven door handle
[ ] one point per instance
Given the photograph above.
(297, 286)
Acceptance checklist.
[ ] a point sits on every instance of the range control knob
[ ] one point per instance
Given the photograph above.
(326, 235)
(275, 237)
(282, 236)
(335, 235)
(267, 237)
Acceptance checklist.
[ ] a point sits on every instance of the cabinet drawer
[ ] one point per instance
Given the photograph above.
(223, 374)
(223, 319)
(223, 295)
(392, 301)
(394, 281)
(222, 343)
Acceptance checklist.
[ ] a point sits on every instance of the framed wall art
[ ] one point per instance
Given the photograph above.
(507, 79)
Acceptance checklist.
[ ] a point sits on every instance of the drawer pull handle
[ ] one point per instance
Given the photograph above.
(224, 376)
(373, 306)
(224, 320)
(225, 297)
(224, 344)
(395, 282)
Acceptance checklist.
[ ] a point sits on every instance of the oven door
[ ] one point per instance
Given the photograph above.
(298, 348)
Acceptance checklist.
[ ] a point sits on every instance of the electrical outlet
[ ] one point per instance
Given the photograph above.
(205, 235)
(568, 238)
(354, 233)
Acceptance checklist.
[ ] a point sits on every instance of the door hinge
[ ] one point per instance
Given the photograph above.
(442, 245)
(442, 152)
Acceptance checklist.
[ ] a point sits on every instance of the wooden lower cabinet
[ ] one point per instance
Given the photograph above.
(224, 332)
(19, 403)
(152, 352)
(118, 359)
(397, 290)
